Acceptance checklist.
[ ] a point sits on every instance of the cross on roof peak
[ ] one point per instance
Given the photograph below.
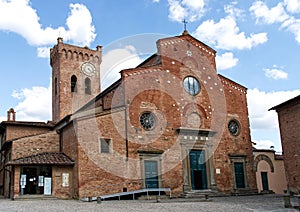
(185, 32)
(184, 23)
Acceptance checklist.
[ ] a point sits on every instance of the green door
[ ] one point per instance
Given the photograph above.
(198, 170)
(264, 179)
(239, 175)
(151, 174)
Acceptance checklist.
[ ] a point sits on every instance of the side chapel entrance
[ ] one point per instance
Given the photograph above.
(35, 180)
(264, 181)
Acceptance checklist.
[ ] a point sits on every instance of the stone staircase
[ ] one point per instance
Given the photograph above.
(202, 194)
(244, 192)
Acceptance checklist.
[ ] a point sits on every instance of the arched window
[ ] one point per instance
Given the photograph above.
(87, 83)
(73, 84)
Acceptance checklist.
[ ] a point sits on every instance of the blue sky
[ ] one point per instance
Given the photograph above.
(257, 44)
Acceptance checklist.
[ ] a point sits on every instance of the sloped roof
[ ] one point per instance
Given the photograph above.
(46, 158)
(27, 123)
(294, 100)
(153, 60)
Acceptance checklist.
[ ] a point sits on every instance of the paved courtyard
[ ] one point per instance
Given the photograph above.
(240, 203)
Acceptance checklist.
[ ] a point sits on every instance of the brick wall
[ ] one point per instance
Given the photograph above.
(47, 142)
(16, 181)
(14, 131)
(289, 121)
(236, 106)
(69, 145)
(159, 89)
(58, 190)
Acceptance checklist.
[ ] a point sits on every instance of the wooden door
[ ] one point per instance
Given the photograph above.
(198, 170)
(239, 175)
(151, 174)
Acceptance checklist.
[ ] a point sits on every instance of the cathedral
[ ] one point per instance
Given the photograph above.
(170, 124)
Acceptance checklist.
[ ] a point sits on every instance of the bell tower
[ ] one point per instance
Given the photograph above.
(75, 77)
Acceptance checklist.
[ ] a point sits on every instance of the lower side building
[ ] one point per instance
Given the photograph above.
(270, 171)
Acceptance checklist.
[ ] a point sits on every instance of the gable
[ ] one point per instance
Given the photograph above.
(183, 49)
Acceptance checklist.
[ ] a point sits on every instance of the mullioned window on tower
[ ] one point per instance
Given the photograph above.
(87, 83)
(73, 84)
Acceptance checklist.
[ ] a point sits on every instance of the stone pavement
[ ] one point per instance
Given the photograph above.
(233, 203)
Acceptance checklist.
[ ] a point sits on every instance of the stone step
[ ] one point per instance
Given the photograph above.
(202, 194)
(35, 197)
(244, 192)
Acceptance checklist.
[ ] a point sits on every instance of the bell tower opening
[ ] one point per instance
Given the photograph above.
(11, 115)
(73, 83)
(87, 84)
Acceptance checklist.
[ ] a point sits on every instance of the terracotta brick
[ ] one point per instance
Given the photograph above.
(289, 120)
(183, 122)
(159, 89)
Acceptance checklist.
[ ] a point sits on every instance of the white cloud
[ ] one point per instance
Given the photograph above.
(191, 10)
(279, 14)
(293, 6)
(264, 144)
(293, 25)
(116, 60)
(275, 73)
(226, 35)
(233, 11)
(35, 104)
(259, 102)
(176, 11)
(43, 52)
(79, 22)
(155, 1)
(226, 61)
(2, 118)
(19, 17)
(264, 14)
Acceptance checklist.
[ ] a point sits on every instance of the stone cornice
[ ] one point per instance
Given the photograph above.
(195, 131)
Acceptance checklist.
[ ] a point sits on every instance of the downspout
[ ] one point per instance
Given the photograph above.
(126, 124)
(3, 170)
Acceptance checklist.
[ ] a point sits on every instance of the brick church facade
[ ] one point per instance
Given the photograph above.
(171, 122)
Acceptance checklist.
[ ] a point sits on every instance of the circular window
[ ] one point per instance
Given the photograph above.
(191, 85)
(234, 127)
(147, 120)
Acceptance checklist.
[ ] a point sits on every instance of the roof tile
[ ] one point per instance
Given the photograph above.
(46, 158)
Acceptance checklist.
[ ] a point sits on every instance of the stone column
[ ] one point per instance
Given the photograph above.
(184, 155)
(211, 166)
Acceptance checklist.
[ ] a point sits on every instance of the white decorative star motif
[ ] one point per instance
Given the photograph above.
(189, 53)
